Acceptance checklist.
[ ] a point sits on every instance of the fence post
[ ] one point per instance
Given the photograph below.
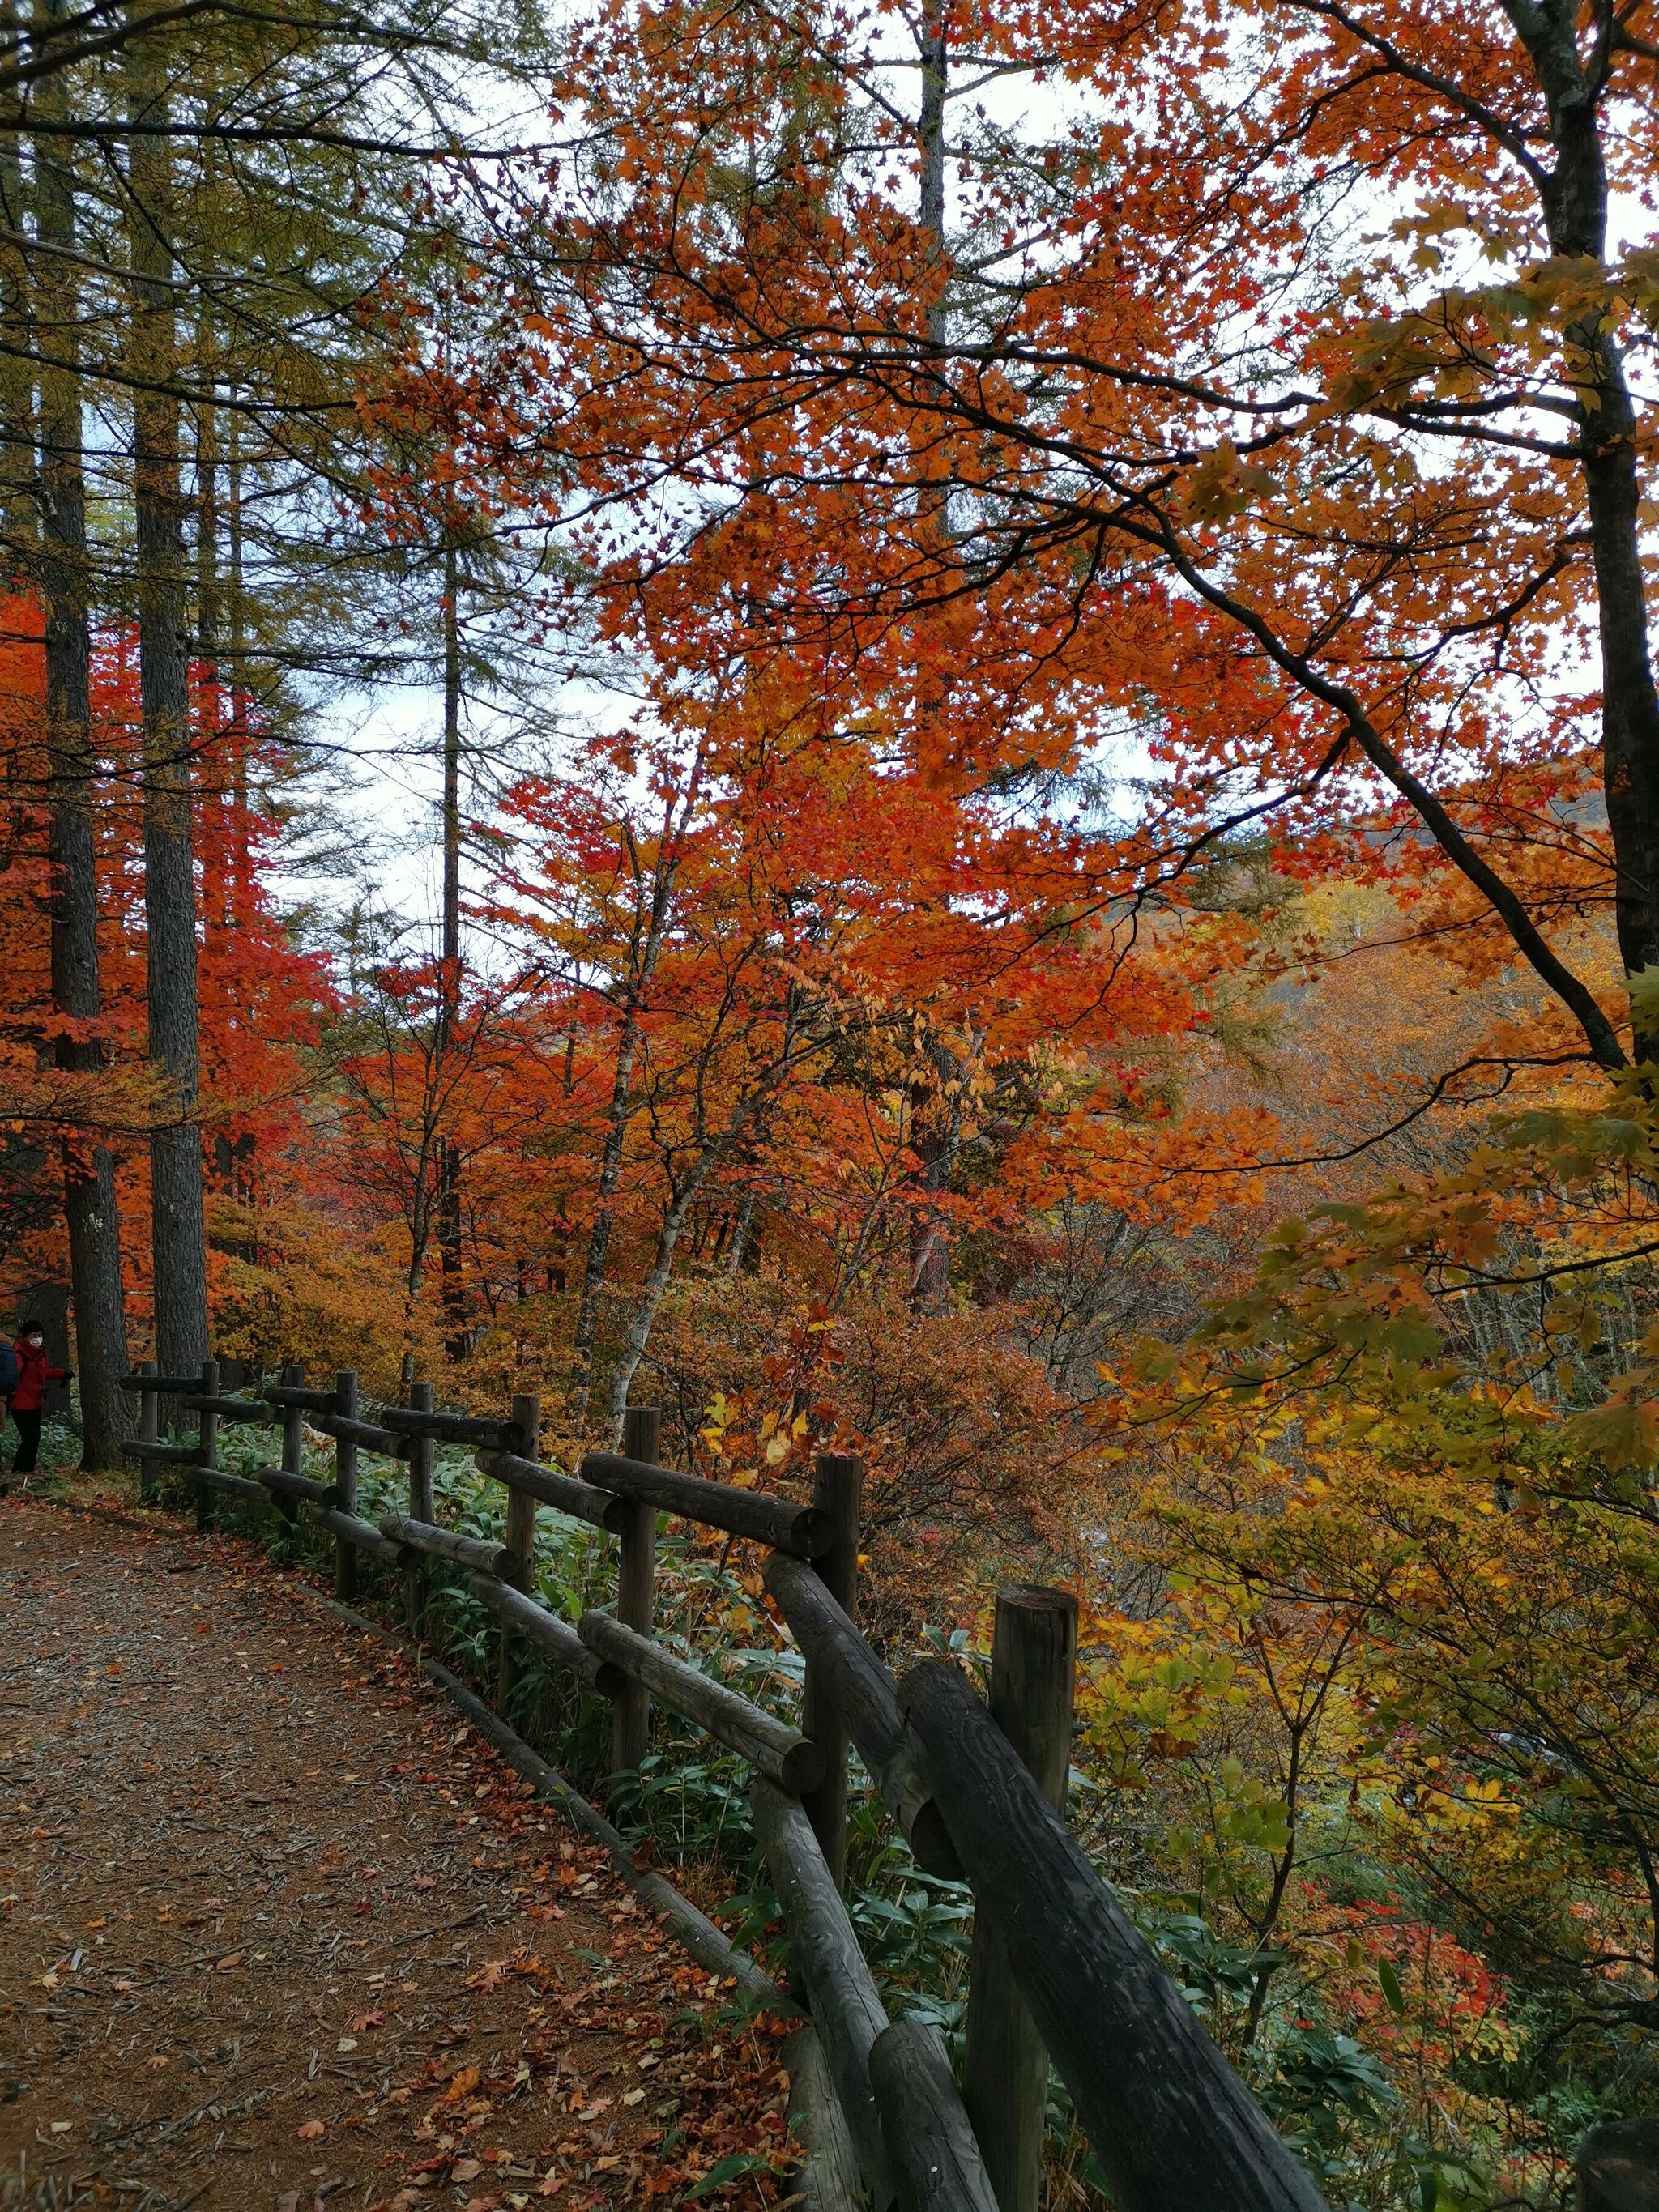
(422, 1450)
(630, 1717)
(1005, 2072)
(149, 1432)
(208, 1442)
(521, 1533)
(294, 1445)
(345, 1481)
(838, 1490)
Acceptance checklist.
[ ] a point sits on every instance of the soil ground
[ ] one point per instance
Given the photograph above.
(277, 1929)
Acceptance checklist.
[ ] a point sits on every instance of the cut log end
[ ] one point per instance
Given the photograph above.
(802, 1768)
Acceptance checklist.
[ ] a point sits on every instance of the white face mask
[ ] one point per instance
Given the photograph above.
(34, 1343)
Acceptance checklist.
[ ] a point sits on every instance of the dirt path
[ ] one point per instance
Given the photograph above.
(277, 1931)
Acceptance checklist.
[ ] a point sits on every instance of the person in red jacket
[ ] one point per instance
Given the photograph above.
(35, 1371)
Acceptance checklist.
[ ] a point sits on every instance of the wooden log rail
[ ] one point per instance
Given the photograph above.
(603, 1509)
(1058, 1974)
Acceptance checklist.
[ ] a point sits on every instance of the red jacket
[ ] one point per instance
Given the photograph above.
(33, 1373)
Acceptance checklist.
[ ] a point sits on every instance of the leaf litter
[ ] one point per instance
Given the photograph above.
(274, 1931)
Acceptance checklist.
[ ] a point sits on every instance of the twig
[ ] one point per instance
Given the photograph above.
(448, 1927)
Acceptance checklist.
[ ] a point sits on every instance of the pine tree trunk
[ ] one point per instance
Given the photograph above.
(239, 736)
(178, 1222)
(449, 1156)
(89, 1205)
(19, 532)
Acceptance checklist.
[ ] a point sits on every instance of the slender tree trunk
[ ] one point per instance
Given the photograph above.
(449, 1154)
(89, 1205)
(642, 1320)
(599, 1237)
(237, 736)
(615, 1134)
(1630, 708)
(216, 785)
(936, 1138)
(179, 1238)
(736, 1136)
(930, 131)
(936, 1108)
(19, 519)
(1575, 199)
(743, 1227)
(210, 612)
(213, 778)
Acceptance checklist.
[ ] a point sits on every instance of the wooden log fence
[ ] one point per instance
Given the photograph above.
(783, 1754)
(1058, 1974)
(426, 1538)
(852, 1682)
(636, 1552)
(1006, 2065)
(520, 1547)
(523, 1478)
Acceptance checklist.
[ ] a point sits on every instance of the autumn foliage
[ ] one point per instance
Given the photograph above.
(1077, 912)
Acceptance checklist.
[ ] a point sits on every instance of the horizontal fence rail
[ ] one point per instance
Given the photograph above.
(1058, 1972)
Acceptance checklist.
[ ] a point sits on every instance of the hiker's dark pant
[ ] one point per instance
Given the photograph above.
(28, 1441)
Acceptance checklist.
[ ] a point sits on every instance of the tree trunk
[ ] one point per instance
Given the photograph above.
(615, 1135)
(449, 1009)
(930, 131)
(742, 1228)
(715, 1150)
(936, 1139)
(1575, 199)
(18, 526)
(238, 735)
(640, 1321)
(214, 787)
(599, 1237)
(936, 1115)
(90, 1207)
(178, 1223)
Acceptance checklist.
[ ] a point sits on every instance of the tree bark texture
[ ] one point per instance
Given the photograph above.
(1575, 202)
(178, 1218)
(449, 1012)
(89, 1204)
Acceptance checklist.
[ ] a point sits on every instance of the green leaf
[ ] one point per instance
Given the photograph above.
(1643, 989)
(729, 2169)
(1391, 1989)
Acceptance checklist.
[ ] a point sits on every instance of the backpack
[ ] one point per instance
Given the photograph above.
(8, 1370)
